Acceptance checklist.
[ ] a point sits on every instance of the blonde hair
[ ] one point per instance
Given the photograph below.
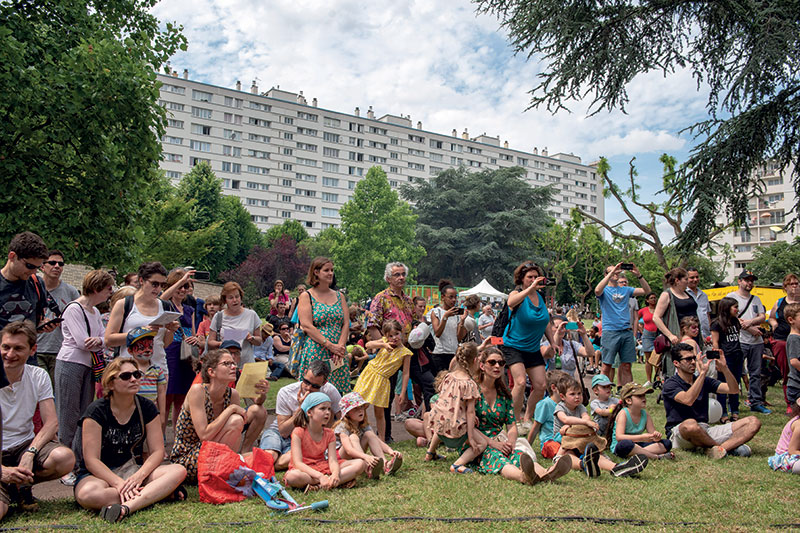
(121, 294)
(349, 425)
(465, 357)
(113, 370)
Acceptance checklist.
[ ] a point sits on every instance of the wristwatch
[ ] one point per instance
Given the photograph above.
(32, 450)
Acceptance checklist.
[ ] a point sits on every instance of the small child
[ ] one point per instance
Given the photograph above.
(690, 330)
(421, 428)
(602, 405)
(153, 384)
(543, 417)
(308, 467)
(633, 431)
(579, 439)
(356, 436)
(373, 384)
(792, 314)
(452, 420)
(787, 452)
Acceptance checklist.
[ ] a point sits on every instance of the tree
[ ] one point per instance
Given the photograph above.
(80, 128)
(292, 228)
(377, 228)
(744, 52)
(477, 225)
(772, 263)
(323, 243)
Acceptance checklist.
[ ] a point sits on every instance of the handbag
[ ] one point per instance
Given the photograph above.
(662, 343)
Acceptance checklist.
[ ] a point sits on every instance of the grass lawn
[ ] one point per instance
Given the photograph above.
(689, 494)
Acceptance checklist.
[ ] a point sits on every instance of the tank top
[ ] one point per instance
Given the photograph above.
(136, 319)
(630, 427)
(786, 436)
(783, 329)
(685, 307)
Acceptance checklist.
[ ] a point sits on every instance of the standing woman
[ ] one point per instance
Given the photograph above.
(523, 337)
(673, 305)
(278, 294)
(238, 321)
(650, 331)
(325, 320)
(145, 308)
(447, 322)
(780, 328)
(83, 332)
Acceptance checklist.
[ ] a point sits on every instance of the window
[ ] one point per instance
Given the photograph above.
(260, 122)
(330, 152)
(392, 183)
(172, 140)
(305, 192)
(306, 177)
(172, 106)
(379, 131)
(288, 120)
(330, 197)
(435, 170)
(252, 201)
(330, 167)
(307, 116)
(258, 138)
(234, 151)
(375, 144)
(506, 157)
(354, 126)
(456, 160)
(264, 187)
(476, 164)
(394, 140)
(492, 161)
(304, 161)
(356, 156)
(552, 166)
(579, 172)
(200, 146)
(472, 150)
(226, 183)
(287, 166)
(286, 214)
(286, 198)
(332, 122)
(260, 107)
(416, 166)
(307, 147)
(193, 161)
(355, 171)
(436, 144)
(201, 96)
(377, 159)
(355, 141)
(173, 89)
(330, 182)
(201, 112)
(232, 102)
(305, 208)
(260, 154)
(231, 118)
(329, 212)
(286, 182)
(456, 147)
(288, 151)
(288, 136)
(436, 157)
(200, 129)
(394, 170)
(232, 135)
(172, 123)
(330, 137)
(775, 181)
(416, 138)
(252, 185)
(307, 131)
(326, 225)
(233, 168)
(521, 161)
(257, 170)
(351, 185)
(173, 174)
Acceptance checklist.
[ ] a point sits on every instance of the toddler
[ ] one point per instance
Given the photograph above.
(633, 431)
(602, 405)
(543, 417)
(153, 384)
(787, 452)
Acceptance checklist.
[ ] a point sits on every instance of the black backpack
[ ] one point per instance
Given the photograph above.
(505, 316)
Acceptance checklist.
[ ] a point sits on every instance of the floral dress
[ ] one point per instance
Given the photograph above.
(328, 319)
(491, 422)
(187, 443)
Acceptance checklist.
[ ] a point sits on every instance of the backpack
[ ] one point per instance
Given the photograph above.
(504, 318)
(128, 307)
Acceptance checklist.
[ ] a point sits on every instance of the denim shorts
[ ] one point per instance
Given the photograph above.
(271, 440)
(618, 342)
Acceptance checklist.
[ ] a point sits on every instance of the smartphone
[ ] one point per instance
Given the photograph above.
(202, 275)
(497, 341)
(626, 266)
(549, 282)
(460, 311)
(41, 327)
(712, 354)
(571, 325)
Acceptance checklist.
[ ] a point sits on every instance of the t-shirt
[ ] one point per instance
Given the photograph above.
(19, 402)
(148, 385)
(20, 301)
(793, 352)
(341, 430)
(647, 317)
(482, 321)
(447, 343)
(615, 308)
(544, 415)
(247, 321)
(286, 401)
(62, 295)
(728, 340)
(526, 328)
(562, 408)
(678, 412)
(569, 353)
(602, 421)
(755, 308)
(116, 438)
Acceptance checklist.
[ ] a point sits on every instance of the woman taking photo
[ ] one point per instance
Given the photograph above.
(112, 478)
(278, 294)
(522, 339)
(649, 333)
(325, 320)
(673, 305)
(447, 323)
(235, 322)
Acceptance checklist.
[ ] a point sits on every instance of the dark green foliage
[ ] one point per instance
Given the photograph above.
(772, 263)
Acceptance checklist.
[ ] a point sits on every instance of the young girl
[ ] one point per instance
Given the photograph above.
(356, 436)
(690, 330)
(373, 383)
(633, 431)
(787, 452)
(725, 337)
(308, 467)
(452, 420)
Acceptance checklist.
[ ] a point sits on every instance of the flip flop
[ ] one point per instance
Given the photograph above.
(374, 472)
(460, 469)
(394, 464)
(433, 456)
(180, 494)
(114, 513)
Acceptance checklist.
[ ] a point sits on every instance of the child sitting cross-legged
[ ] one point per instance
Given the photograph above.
(543, 417)
(357, 436)
(632, 431)
(603, 405)
(579, 439)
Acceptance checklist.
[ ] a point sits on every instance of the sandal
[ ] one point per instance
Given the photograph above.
(433, 456)
(734, 417)
(114, 513)
(460, 469)
(394, 464)
(724, 419)
(374, 472)
(180, 494)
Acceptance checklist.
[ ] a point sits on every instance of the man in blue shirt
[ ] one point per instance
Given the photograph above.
(617, 332)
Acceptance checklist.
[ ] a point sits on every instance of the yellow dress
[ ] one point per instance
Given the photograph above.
(373, 383)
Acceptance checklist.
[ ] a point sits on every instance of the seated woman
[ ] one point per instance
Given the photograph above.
(211, 412)
(111, 476)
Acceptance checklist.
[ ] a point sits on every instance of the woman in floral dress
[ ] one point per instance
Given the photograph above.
(325, 320)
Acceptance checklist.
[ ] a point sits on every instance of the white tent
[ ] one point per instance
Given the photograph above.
(485, 290)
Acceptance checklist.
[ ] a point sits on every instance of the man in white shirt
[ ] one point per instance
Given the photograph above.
(27, 458)
(486, 321)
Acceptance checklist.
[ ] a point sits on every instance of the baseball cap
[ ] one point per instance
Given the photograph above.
(633, 389)
(748, 274)
(137, 334)
(601, 379)
(230, 344)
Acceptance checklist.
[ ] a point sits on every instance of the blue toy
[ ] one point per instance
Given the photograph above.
(276, 497)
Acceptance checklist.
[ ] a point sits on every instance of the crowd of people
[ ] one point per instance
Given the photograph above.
(92, 379)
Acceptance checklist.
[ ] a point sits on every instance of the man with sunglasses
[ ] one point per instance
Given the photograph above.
(686, 402)
(28, 458)
(48, 344)
(276, 439)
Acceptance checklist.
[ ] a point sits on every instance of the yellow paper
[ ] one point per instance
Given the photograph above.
(252, 373)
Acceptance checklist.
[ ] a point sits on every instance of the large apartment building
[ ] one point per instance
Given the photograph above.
(286, 158)
(767, 216)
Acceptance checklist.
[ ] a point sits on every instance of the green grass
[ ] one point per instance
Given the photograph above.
(735, 494)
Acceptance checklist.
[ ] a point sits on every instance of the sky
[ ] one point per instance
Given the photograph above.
(436, 60)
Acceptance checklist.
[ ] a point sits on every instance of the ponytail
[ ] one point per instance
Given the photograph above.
(612, 420)
(300, 419)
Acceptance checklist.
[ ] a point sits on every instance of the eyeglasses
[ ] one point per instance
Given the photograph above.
(496, 362)
(690, 358)
(157, 284)
(54, 263)
(30, 266)
(311, 385)
(126, 376)
(229, 364)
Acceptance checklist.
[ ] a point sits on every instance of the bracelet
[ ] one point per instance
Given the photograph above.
(640, 277)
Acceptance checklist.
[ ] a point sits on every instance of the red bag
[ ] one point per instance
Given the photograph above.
(222, 475)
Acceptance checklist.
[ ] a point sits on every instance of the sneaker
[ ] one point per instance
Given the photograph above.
(632, 466)
(26, 500)
(647, 385)
(716, 452)
(528, 471)
(523, 428)
(589, 462)
(69, 479)
(525, 447)
(760, 409)
(741, 451)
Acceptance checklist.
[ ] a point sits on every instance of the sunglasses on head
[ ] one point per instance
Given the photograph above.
(311, 385)
(126, 376)
(54, 263)
(496, 362)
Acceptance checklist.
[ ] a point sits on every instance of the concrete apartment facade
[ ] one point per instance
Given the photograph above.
(288, 159)
(768, 212)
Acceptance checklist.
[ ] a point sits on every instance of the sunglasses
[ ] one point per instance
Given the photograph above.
(311, 385)
(690, 358)
(30, 266)
(54, 263)
(126, 376)
(157, 284)
(496, 362)
(186, 286)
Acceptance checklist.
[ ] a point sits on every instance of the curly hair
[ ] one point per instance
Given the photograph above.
(499, 384)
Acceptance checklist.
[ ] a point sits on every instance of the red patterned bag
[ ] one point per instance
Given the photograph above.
(222, 475)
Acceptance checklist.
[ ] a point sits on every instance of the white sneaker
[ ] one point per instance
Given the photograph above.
(523, 428)
(525, 447)
(69, 479)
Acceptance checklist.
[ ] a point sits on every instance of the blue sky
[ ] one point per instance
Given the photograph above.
(435, 60)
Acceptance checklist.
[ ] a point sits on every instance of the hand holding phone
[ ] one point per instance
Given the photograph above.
(712, 354)
(626, 266)
(44, 325)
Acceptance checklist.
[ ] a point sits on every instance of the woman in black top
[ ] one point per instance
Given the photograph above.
(114, 430)
(725, 338)
(780, 327)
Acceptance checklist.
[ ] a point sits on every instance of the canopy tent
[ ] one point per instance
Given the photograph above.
(483, 289)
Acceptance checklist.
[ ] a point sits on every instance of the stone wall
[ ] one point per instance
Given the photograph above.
(73, 274)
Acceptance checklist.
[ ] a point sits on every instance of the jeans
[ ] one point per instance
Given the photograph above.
(752, 355)
(735, 362)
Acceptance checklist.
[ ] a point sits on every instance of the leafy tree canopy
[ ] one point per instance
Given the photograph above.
(744, 51)
(79, 146)
(772, 263)
(292, 228)
(477, 224)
